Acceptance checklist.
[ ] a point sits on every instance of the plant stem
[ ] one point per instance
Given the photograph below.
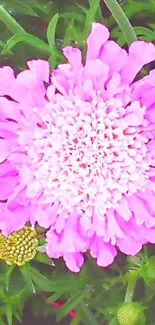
(131, 285)
(122, 20)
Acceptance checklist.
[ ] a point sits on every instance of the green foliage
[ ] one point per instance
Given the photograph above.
(10, 22)
(40, 28)
(122, 20)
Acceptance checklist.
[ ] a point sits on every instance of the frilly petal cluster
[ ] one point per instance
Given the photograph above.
(77, 150)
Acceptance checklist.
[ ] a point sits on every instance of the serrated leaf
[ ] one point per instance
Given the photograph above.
(73, 302)
(26, 38)
(90, 16)
(18, 6)
(43, 258)
(10, 22)
(86, 315)
(51, 31)
(25, 273)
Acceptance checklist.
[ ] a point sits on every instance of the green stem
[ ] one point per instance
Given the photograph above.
(131, 285)
(122, 20)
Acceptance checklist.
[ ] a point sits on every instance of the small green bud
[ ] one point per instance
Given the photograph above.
(19, 247)
(131, 314)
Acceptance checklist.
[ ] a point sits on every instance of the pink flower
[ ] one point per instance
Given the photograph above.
(79, 156)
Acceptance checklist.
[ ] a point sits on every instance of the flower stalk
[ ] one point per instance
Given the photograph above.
(131, 285)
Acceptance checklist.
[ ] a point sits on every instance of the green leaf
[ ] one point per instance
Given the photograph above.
(43, 258)
(54, 297)
(25, 273)
(26, 38)
(82, 8)
(2, 44)
(10, 22)
(68, 33)
(86, 315)
(1, 321)
(114, 322)
(62, 283)
(51, 31)
(122, 20)
(73, 15)
(146, 32)
(16, 314)
(76, 320)
(18, 6)
(94, 4)
(9, 270)
(73, 302)
(9, 313)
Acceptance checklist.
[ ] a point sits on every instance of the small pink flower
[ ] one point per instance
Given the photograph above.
(79, 156)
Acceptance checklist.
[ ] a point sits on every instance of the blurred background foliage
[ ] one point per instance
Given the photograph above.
(40, 29)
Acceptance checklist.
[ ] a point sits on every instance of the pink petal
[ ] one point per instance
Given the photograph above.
(141, 214)
(106, 255)
(114, 56)
(113, 228)
(129, 246)
(41, 68)
(140, 53)
(98, 36)
(61, 221)
(7, 76)
(6, 147)
(52, 240)
(73, 56)
(7, 169)
(33, 189)
(13, 220)
(7, 185)
(73, 261)
(123, 209)
(47, 217)
(10, 109)
(98, 72)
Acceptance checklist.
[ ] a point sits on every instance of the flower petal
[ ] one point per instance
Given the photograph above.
(98, 36)
(140, 53)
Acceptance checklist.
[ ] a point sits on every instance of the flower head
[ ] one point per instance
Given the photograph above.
(79, 157)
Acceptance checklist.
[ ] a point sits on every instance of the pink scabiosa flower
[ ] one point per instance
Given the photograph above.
(78, 156)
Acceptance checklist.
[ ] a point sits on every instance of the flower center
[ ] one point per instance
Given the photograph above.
(89, 154)
(19, 247)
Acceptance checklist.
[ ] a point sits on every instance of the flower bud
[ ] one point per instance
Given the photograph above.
(19, 247)
(131, 314)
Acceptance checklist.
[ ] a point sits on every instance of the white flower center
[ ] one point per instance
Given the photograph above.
(89, 154)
